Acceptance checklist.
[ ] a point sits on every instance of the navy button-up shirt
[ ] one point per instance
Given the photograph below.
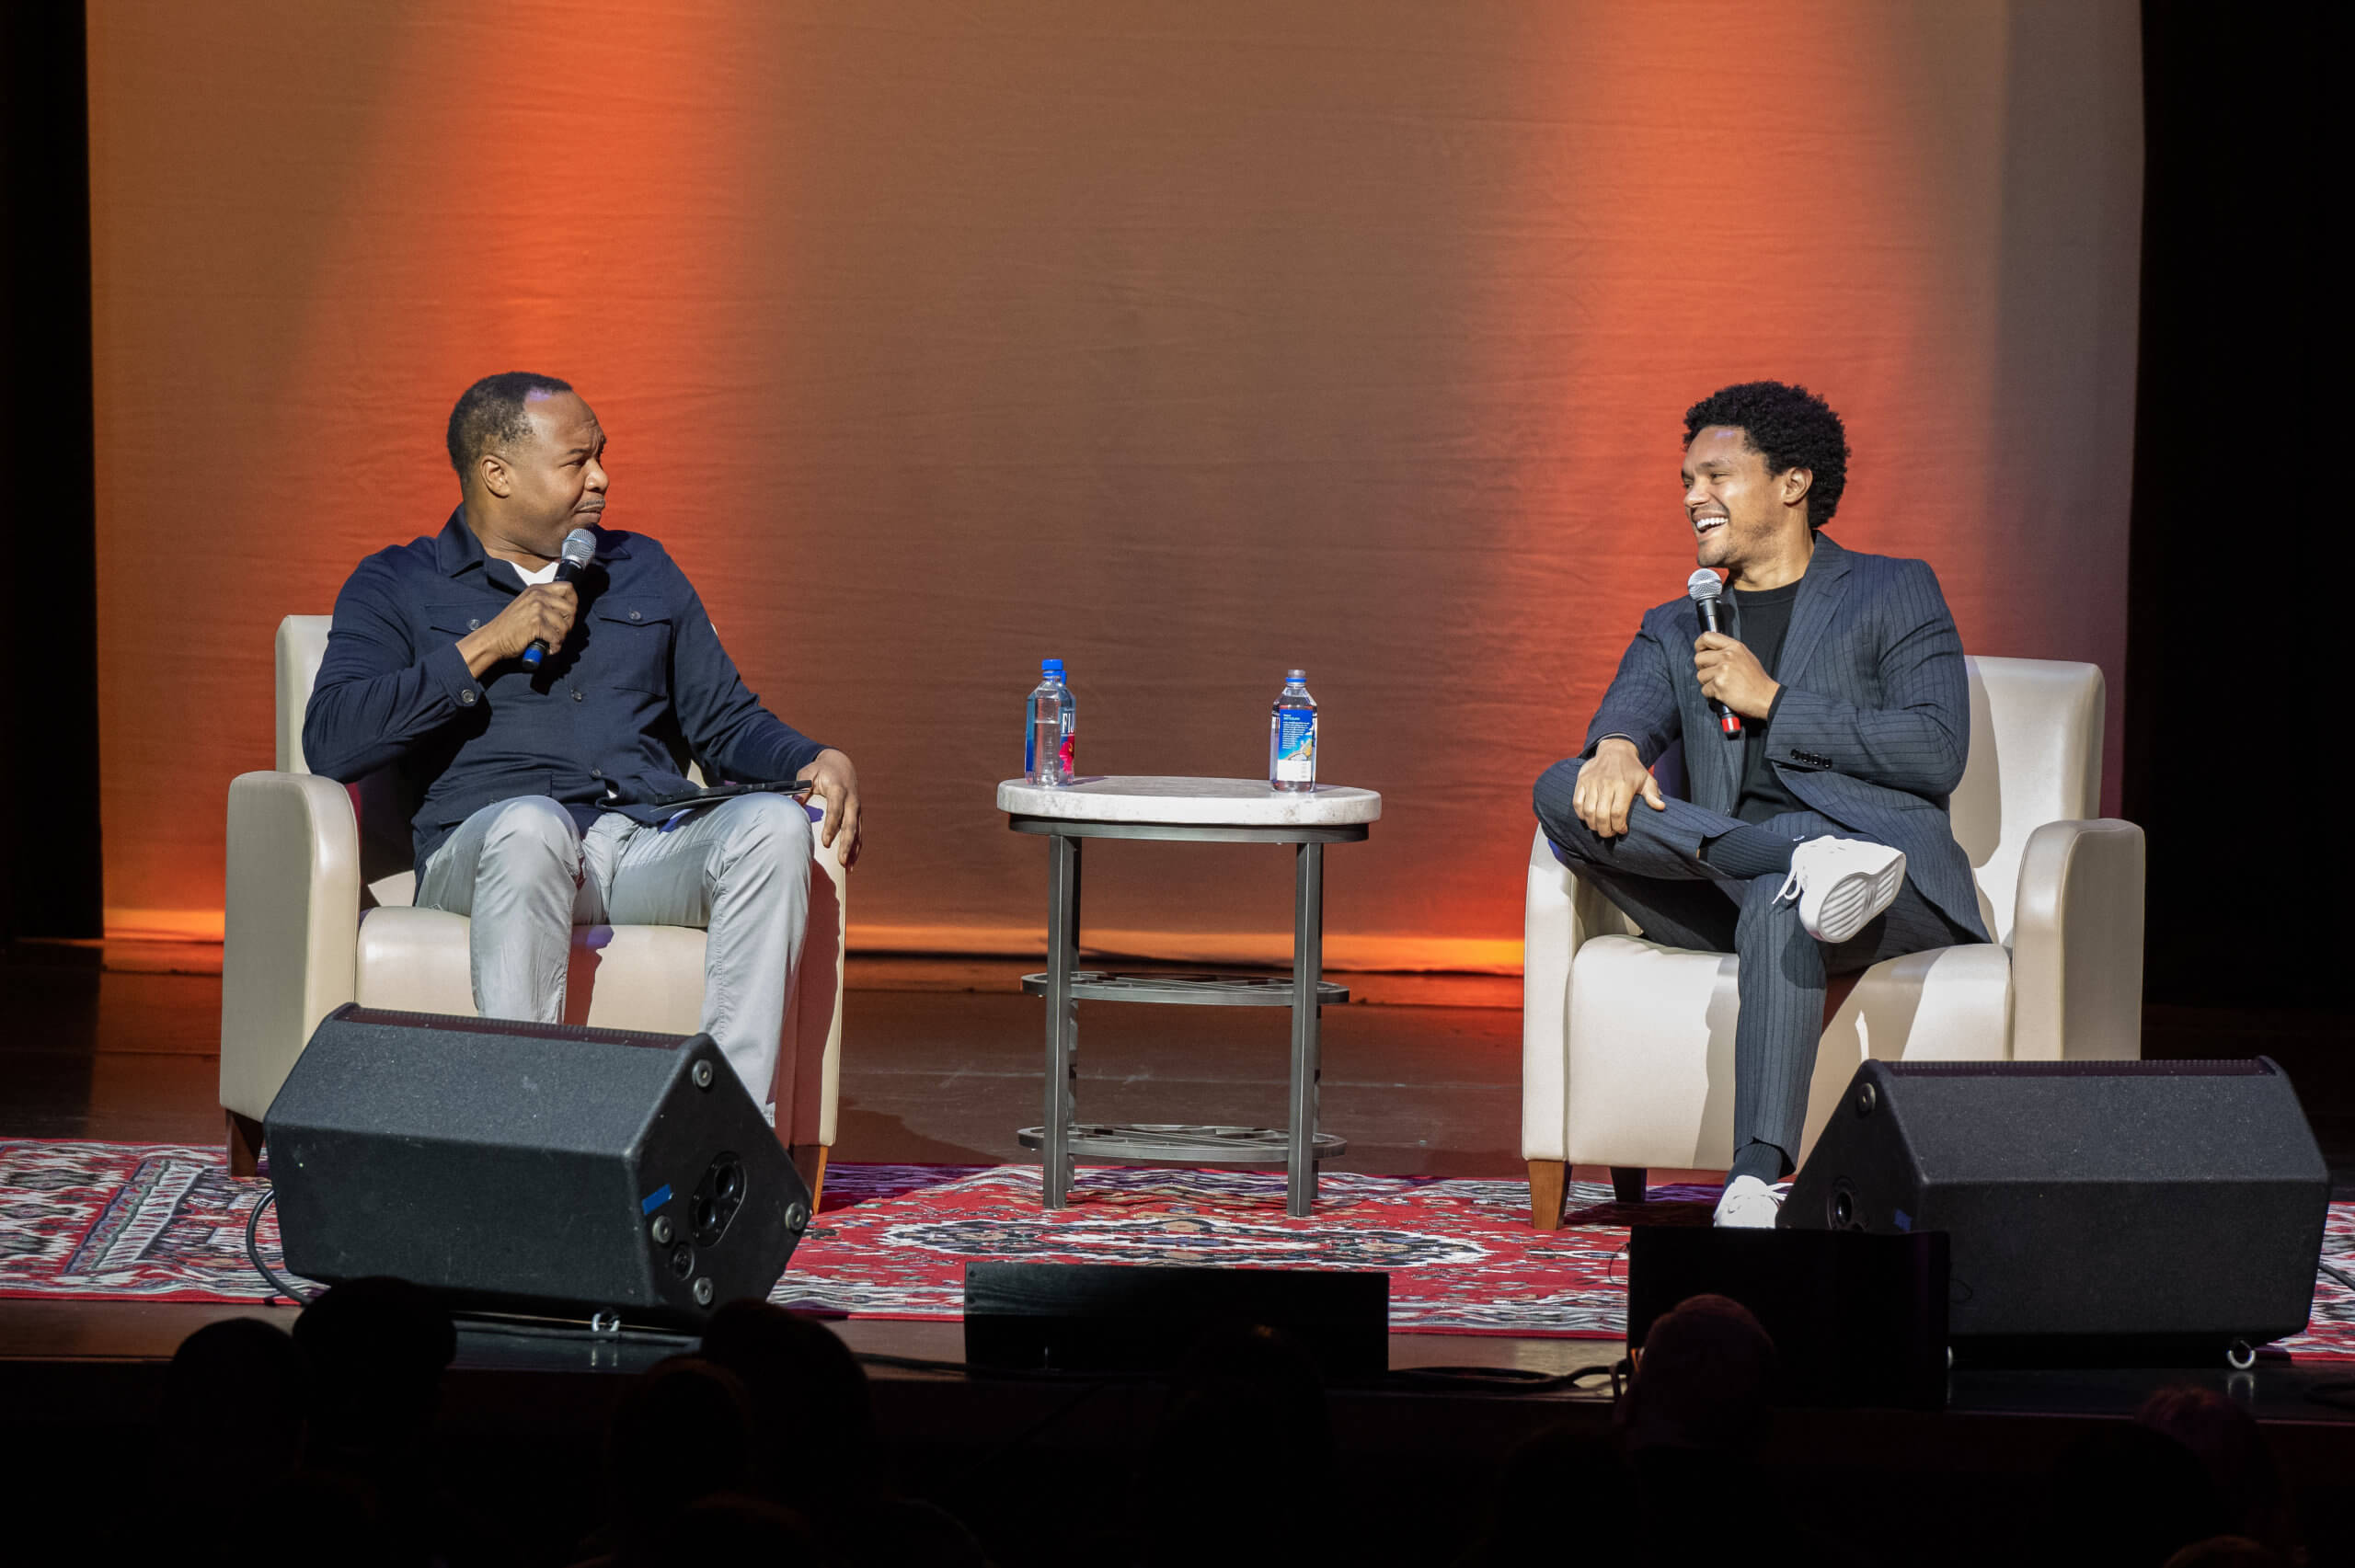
(607, 722)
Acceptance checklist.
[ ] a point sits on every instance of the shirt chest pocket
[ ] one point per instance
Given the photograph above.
(452, 621)
(629, 645)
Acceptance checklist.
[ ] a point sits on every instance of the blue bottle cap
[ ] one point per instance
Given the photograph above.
(1050, 667)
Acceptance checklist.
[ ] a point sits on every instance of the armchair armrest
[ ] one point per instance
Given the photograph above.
(2077, 944)
(1560, 914)
(289, 956)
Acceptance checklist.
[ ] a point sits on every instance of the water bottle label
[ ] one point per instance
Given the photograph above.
(1069, 752)
(1296, 745)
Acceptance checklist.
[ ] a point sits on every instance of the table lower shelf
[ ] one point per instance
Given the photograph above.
(1176, 1144)
(1197, 990)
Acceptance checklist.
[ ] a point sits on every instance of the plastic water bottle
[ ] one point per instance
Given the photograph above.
(1050, 728)
(1292, 736)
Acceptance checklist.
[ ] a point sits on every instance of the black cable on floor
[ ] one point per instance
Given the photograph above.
(1054, 1417)
(253, 1255)
(2338, 1394)
(1514, 1380)
(1504, 1380)
(1015, 1374)
(576, 1333)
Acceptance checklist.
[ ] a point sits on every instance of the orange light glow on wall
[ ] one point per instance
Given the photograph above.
(1187, 343)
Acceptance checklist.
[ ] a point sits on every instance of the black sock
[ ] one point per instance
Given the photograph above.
(1762, 1160)
(1749, 850)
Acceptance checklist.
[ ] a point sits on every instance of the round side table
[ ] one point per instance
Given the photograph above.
(1226, 811)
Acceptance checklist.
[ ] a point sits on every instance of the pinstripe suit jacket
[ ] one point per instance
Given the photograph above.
(1873, 725)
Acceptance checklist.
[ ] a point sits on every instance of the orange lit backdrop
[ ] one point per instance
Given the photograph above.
(1185, 342)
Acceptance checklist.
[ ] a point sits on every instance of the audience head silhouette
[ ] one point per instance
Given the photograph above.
(2128, 1496)
(2231, 1449)
(1237, 1380)
(375, 1350)
(813, 1425)
(1703, 1380)
(683, 1432)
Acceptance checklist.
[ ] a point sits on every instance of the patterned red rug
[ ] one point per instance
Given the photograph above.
(1461, 1254)
(165, 1223)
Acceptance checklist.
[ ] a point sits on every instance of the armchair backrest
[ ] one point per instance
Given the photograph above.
(2036, 730)
(302, 644)
(387, 857)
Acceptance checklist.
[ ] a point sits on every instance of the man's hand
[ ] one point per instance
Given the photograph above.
(1608, 785)
(1731, 673)
(541, 613)
(835, 782)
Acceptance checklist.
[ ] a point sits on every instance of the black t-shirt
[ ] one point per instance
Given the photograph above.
(1760, 620)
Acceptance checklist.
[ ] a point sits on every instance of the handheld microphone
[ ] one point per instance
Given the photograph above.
(579, 545)
(1703, 590)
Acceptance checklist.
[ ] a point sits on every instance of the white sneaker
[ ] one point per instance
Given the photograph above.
(1843, 884)
(1749, 1204)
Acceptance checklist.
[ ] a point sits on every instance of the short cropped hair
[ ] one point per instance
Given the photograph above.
(489, 416)
(1790, 428)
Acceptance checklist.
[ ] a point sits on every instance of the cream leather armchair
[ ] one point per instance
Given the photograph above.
(1628, 1045)
(320, 886)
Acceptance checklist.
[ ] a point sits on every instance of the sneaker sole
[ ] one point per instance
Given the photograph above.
(1757, 1213)
(1855, 901)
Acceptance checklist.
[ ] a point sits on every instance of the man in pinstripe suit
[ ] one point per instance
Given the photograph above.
(1817, 840)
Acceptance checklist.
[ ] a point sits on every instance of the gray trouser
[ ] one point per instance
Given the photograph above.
(526, 876)
(1650, 873)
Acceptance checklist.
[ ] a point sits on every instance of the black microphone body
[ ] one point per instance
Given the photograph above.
(580, 546)
(1704, 597)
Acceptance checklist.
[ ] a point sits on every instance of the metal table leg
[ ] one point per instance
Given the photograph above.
(1307, 968)
(1063, 1020)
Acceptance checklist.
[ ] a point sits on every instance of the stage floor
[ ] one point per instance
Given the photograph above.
(119, 1041)
(1422, 1075)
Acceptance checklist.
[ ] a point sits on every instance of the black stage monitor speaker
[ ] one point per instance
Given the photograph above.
(2114, 1212)
(1145, 1317)
(528, 1168)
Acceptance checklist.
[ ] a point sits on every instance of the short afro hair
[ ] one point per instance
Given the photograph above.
(1790, 428)
(490, 414)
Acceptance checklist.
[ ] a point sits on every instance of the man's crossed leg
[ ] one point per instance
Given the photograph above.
(740, 869)
(1661, 874)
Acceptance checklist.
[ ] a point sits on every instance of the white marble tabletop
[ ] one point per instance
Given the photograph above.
(1215, 803)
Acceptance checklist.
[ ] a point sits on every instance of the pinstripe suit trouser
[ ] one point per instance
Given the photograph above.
(1685, 902)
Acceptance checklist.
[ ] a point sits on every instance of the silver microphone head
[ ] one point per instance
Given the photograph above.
(579, 545)
(1702, 584)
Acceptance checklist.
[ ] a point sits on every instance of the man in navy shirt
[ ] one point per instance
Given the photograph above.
(537, 790)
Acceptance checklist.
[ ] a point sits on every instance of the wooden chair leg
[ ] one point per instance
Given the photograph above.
(809, 1158)
(245, 1143)
(1835, 993)
(1628, 1184)
(1549, 1184)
